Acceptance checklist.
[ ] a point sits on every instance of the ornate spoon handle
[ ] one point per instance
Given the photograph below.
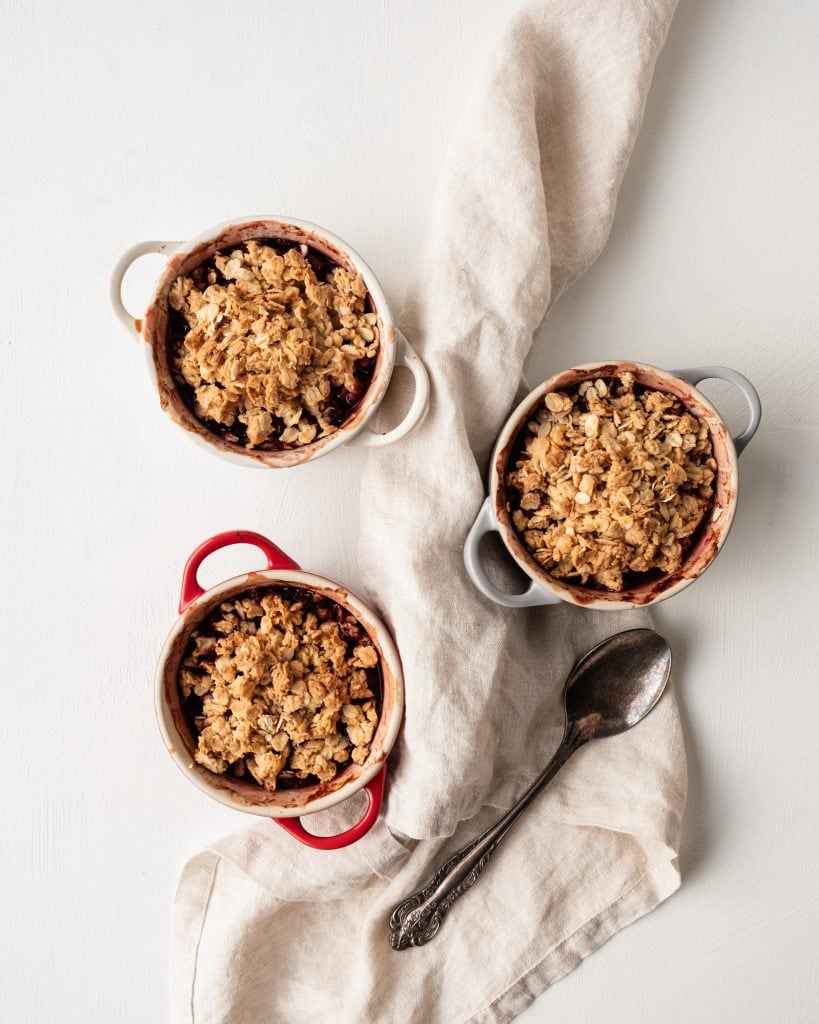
(417, 919)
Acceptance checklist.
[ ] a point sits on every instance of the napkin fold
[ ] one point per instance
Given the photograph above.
(267, 930)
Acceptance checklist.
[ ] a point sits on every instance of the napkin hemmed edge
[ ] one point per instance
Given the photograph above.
(187, 929)
(650, 890)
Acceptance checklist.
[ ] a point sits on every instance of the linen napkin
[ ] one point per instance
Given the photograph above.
(267, 930)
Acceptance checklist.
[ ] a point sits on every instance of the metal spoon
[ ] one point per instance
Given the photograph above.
(609, 690)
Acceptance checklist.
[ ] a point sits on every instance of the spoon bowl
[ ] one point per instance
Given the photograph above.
(617, 683)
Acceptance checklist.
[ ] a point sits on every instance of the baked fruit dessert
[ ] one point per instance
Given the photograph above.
(271, 344)
(281, 686)
(610, 483)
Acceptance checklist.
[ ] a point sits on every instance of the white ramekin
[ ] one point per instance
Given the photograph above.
(184, 256)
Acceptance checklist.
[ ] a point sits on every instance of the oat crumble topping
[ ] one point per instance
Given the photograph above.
(280, 683)
(272, 356)
(612, 479)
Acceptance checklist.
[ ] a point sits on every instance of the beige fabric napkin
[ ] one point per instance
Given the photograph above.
(267, 930)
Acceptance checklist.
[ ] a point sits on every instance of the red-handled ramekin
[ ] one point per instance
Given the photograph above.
(285, 806)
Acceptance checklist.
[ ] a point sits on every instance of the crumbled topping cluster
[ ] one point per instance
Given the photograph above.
(271, 351)
(284, 682)
(612, 479)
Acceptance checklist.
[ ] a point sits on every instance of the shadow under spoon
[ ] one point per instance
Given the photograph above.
(609, 690)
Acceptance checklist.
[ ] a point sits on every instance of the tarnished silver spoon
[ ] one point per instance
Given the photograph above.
(609, 690)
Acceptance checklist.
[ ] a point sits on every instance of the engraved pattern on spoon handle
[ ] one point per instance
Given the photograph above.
(417, 919)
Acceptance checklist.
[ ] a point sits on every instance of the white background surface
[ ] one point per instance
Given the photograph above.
(157, 120)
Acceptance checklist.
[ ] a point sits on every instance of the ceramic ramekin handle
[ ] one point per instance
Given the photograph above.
(191, 589)
(405, 355)
(749, 393)
(375, 793)
(485, 523)
(121, 268)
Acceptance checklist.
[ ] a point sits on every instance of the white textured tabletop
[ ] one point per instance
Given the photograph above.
(123, 122)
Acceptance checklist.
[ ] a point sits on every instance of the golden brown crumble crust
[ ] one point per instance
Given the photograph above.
(281, 690)
(611, 479)
(267, 346)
